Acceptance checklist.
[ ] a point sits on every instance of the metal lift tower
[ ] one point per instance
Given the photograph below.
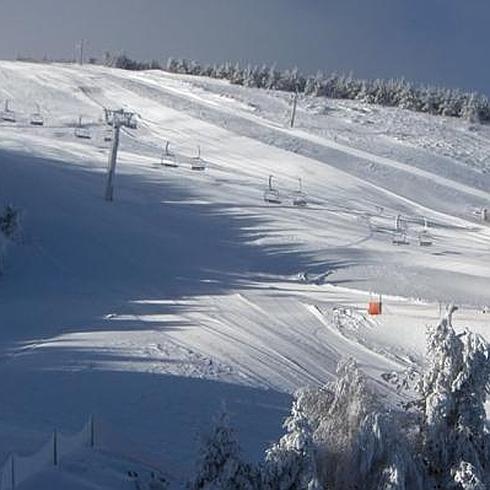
(118, 119)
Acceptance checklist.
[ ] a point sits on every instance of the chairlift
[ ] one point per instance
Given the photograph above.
(400, 238)
(197, 163)
(36, 117)
(299, 198)
(168, 159)
(8, 115)
(400, 233)
(425, 237)
(400, 225)
(81, 131)
(271, 195)
(132, 123)
(108, 135)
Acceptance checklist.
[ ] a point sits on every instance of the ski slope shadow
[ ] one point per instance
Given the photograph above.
(83, 258)
(80, 260)
(153, 419)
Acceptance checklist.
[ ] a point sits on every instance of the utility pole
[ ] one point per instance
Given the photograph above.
(118, 119)
(293, 109)
(82, 47)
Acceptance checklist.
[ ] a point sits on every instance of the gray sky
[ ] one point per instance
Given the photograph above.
(441, 41)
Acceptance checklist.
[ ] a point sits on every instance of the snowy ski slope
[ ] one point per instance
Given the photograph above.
(185, 291)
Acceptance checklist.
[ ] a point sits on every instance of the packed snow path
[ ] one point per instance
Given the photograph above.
(185, 290)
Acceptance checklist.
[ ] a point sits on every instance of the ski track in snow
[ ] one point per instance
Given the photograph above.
(185, 290)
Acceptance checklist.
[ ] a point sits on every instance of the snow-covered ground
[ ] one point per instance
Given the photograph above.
(150, 311)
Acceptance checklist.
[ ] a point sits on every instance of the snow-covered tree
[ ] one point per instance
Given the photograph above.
(290, 463)
(171, 65)
(466, 477)
(10, 221)
(454, 390)
(335, 414)
(10, 229)
(382, 456)
(220, 465)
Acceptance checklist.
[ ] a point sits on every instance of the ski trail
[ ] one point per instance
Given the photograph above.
(322, 141)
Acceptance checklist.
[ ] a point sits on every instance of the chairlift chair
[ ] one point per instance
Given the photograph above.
(271, 195)
(400, 224)
(36, 117)
(400, 238)
(197, 163)
(108, 135)
(81, 131)
(8, 115)
(299, 198)
(425, 237)
(37, 120)
(168, 159)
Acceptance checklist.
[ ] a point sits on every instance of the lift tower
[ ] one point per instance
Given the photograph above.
(117, 119)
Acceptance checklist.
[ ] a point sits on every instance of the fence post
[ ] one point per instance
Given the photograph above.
(92, 431)
(55, 448)
(12, 469)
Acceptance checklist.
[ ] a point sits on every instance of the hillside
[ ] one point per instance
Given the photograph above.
(148, 312)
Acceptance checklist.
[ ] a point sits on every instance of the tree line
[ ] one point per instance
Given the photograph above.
(396, 92)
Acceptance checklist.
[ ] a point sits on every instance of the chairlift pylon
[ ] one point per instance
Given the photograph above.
(271, 195)
(8, 115)
(168, 159)
(197, 163)
(299, 198)
(81, 131)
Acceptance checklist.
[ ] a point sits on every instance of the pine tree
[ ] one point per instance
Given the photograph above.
(290, 463)
(220, 464)
(336, 417)
(382, 456)
(172, 65)
(466, 477)
(10, 222)
(454, 392)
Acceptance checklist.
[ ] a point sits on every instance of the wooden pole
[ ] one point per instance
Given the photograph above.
(12, 470)
(55, 448)
(92, 431)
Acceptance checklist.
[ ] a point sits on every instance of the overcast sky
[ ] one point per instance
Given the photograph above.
(442, 41)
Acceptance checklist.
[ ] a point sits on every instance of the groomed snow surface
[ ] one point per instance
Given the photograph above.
(189, 290)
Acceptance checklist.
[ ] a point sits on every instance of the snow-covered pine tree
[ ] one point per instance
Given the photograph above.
(272, 79)
(382, 458)
(454, 390)
(10, 229)
(220, 465)
(466, 477)
(172, 65)
(313, 85)
(250, 78)
(237, 75)
(335, 413)
(366, 92)
(10, 222)
(290, 463)
(473, 108)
